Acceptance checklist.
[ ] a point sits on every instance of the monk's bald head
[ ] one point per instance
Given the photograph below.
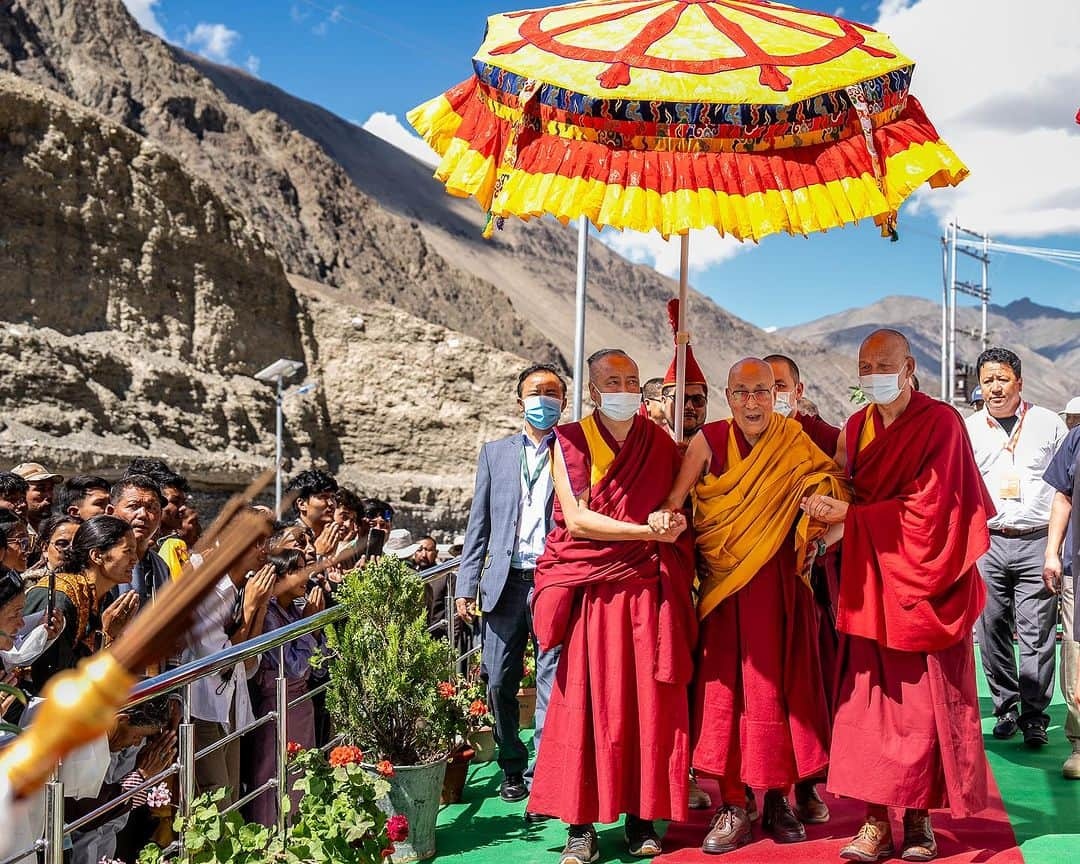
(750, 370)
(886, 352)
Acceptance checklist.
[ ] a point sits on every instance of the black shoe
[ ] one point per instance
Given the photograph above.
(513, 788)
(537, 818)
(641, 838)
(582, 845)
(1035, 735)
(1007, 726)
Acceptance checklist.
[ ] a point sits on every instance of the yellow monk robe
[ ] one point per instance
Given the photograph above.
(760, 714)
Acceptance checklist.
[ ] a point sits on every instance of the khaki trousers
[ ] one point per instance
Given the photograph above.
(1070, 660)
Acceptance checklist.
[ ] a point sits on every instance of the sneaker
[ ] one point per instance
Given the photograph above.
(1007, 726)
(582, 845)
(729, 829)
(919, 842)
(872, 843)
(1071, 769)
(641, 838)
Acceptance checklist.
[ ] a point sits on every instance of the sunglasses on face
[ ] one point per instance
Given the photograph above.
(696, 399)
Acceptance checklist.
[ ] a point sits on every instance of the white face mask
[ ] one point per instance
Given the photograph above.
(881, 389)
(619, 406)
(784, 404)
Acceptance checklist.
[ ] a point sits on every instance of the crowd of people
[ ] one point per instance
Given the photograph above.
(774, 603)
(82, 555)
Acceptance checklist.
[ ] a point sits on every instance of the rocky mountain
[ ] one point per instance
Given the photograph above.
(1047, 340)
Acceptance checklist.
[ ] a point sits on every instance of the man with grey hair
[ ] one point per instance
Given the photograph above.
(615, 595)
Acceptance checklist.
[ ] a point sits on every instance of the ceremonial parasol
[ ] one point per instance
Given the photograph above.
(748, 116)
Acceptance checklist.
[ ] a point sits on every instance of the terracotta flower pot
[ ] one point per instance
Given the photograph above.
(527, 707)
(482, 742)
(457, 772)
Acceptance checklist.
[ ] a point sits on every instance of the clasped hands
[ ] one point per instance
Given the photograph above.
(667, 525)
(824, 508)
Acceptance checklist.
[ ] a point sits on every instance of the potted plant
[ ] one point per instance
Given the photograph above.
(338, 820)
(480, 734)
(526, 696)
(391, 694)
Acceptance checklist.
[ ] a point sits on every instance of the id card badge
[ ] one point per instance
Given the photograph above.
(1010, 486)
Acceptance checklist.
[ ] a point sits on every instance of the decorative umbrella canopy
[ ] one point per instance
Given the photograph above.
(749, 116)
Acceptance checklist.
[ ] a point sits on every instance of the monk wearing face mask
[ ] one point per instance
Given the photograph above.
(615, 594)
(789, 390)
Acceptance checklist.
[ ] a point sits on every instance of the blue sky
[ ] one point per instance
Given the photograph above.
(359, 58)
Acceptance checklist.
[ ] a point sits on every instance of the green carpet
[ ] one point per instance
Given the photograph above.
(1043, 807)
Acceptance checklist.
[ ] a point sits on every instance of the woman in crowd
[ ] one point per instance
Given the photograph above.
(16, 541)
(101, 557)
(55, 537)
(290, 587)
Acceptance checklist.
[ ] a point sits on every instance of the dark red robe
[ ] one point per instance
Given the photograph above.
(760, 713)
(825, 435)
(907, 731)
(616, 736)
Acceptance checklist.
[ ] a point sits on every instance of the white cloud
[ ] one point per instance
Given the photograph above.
(1004, 97)
(213, 41)
(252, 64)
(389, 128)
(706, 249)
(839, 11)
(143, 12)
(334, 16)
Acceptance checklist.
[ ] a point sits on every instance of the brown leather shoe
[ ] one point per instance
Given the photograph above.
(809, 807)
(699, 798)
(729, 829)
(778, 819)
(872, 843)
(919, 842)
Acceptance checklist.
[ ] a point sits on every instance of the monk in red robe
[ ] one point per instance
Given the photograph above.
(759, 717)
(907, 731)
(615, 594)
(789, 390)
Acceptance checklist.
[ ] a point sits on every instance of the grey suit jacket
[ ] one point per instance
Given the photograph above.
(491, 536)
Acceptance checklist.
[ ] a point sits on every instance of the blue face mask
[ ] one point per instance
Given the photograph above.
(542, 412)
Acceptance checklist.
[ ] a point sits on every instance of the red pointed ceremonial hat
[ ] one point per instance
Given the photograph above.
(694, 375)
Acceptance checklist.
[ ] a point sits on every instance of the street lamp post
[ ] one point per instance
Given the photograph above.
(278, 373)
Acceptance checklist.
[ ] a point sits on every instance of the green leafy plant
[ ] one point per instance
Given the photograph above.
(857, 396)
(390, 689)
(528, 673)
(20, 697)
(336, 822)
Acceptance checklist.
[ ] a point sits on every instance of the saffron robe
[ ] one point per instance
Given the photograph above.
(760, 713)
(907, 731)
(616, 736)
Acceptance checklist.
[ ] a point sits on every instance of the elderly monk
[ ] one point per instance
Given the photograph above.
(615, 594)
(759, 716)
(907, 731)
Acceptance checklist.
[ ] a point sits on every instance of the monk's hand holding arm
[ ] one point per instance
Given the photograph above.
(825, 508)
(1060, 510)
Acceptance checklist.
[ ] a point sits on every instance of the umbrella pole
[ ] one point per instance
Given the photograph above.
(681, 338)
(579, 318)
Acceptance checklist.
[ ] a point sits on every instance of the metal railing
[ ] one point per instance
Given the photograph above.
(179, 680)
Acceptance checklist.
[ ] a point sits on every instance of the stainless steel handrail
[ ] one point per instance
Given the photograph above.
(174, 679)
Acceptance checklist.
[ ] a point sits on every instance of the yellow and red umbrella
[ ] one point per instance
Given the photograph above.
(748, 116)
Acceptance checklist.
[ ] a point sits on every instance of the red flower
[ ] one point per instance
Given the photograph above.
(346, 755)
(385, 768)
(478, 708)
(397, 828)
(292, 749)
(387, 852)
(447, 690)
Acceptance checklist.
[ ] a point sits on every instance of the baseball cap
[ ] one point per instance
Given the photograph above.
(976, 395)
(1072, 406)
(35, 472)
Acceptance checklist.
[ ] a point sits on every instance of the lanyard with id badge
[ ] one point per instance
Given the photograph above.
(532, 480)
(1009, 489)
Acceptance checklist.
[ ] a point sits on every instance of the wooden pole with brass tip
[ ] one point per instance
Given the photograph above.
(81, 704)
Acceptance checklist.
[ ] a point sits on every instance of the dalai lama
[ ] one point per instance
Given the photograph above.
(615, 594)
(760, 717)
(907, 732)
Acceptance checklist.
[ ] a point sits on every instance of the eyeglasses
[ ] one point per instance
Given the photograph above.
(21, 543)
(695, 399)
(742, 397)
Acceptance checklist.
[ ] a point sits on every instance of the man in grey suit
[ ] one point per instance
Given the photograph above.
(509, 521)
